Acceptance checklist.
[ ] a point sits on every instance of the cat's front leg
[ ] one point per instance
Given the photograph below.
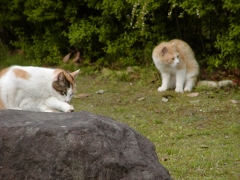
(190, 83)
(44, 108)
(165, 81)
(180, 78)
(55, 103)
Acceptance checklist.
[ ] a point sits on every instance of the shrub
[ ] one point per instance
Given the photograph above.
(122, 32)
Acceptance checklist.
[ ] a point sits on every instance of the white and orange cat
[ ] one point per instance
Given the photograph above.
(37, 89)
(177, 64)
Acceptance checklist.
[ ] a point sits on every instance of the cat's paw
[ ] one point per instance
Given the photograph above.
(187, 89)
(161, 89)
(48, 110)
(179, 90)
(69, 108)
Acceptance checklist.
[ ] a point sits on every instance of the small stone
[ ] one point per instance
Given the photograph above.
(165, 99)
(100, 91)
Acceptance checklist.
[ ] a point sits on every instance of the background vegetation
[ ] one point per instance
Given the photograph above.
(122, 32)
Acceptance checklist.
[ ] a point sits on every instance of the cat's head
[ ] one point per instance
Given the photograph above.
(167, 54)
(64, 84)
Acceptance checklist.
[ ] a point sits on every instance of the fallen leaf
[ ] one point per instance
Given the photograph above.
(235, 101)
(100, 91)
(66, 58)
(77, 57)
(140, 99)
(193, 94)
(78, 96)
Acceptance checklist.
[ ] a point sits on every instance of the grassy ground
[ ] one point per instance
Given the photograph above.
(195, 137)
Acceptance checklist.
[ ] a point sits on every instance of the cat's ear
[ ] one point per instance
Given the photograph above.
(60, 76)
(75, 74)
(59, 82)
(164, 51)
(61, 79)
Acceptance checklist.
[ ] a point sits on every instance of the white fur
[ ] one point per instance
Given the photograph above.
(190, 82)
(171, 76)
(175, 62)
(180, 79)
(35, 93)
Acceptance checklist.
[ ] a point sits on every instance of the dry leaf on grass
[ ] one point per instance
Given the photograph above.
(193, 94)
(235, 101)
(78, 96)
(140, 99)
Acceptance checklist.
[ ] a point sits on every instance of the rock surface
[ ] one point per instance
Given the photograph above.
(74, 146)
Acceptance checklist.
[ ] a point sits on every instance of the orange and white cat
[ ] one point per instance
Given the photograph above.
(177, 64)
(37, 89)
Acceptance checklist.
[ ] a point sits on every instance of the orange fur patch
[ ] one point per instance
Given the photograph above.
(3, 72)
(173, 48)
(21, 74)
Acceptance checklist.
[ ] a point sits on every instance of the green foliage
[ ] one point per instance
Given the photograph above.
(14, 58)
(216, 26)
(229, 41)
(122, 32)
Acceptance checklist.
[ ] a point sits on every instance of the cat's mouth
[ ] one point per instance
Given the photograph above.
(175, 63)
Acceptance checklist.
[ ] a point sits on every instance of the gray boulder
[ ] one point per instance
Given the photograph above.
(74, 146)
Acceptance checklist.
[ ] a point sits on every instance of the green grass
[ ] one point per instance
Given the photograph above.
(195, 137)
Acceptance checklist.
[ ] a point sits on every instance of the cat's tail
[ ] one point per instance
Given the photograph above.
(215, 84)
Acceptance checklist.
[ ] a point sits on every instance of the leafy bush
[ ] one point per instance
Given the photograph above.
(122, 32)
(216, 25)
